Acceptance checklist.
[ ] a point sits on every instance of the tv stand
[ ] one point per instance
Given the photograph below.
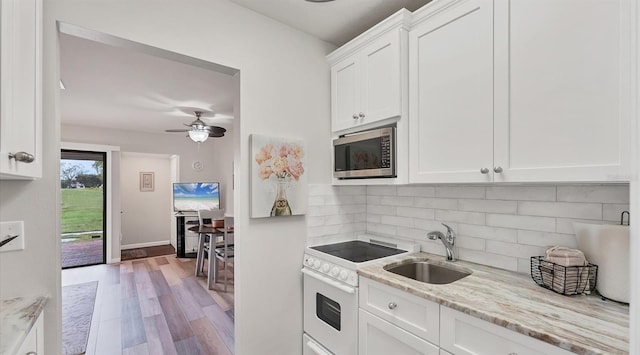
(186, 241)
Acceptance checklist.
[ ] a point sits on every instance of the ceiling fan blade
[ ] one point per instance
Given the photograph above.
(216, 134)
(216, 129)
(177, 130)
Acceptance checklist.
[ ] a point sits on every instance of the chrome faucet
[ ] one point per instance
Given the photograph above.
(448, 241)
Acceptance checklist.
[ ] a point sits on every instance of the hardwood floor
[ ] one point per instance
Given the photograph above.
(157, 306)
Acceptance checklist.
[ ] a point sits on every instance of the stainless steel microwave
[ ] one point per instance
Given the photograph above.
(368, 154)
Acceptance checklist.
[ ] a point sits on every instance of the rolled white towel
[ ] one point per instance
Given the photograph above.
(565, 256)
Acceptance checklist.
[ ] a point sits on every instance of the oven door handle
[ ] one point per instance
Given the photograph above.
(316, 349)
(330, 281)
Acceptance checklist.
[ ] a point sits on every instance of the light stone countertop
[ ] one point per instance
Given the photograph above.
(17, 317)
(580, 324)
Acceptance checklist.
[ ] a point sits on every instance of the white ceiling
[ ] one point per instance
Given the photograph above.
(120, 88)
(337, 21)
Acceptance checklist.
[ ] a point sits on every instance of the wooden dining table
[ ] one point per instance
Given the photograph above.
(208, 229)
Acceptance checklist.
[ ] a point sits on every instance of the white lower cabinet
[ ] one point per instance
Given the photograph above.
(462, 334)
(34, 342)
(392, 321)
(412, 313)
(379, 337)
(396, 322)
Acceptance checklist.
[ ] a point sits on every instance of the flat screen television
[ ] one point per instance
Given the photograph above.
(194, 196)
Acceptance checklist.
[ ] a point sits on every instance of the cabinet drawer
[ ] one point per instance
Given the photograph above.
(378, 337)
(414, 314)
(462, 334)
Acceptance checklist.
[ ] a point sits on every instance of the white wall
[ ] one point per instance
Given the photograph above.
(146, 215)
(284, 91)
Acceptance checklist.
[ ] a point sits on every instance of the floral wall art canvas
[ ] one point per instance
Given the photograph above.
(278, 178)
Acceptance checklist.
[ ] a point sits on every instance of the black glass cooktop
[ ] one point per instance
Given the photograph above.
(357, 250)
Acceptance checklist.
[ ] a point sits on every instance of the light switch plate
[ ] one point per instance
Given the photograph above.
(10, 229)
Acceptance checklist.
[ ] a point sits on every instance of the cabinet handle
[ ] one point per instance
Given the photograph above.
(497, 169)
(355, 117)
(361, 114)
(392, 305)
(31, 353)
(23, 157)
(484, 171)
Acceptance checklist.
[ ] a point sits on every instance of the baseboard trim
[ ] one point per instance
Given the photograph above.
(144, 245)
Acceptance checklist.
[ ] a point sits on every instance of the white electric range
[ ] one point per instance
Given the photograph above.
(331, 290)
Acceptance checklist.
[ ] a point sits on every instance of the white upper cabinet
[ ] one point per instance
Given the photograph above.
(451, 92)
(520, 91)
(562, 90)
(20, 89)
(367, 76)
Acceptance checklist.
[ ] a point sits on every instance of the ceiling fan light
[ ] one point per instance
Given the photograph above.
(198, 135)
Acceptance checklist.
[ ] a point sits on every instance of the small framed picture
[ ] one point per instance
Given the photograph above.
(146, 181)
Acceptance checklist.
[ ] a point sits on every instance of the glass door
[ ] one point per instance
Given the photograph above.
(83, 213)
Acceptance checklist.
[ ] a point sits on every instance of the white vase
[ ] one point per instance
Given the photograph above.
(608, 247)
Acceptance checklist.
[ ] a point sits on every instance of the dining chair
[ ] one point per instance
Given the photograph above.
(214, 218)
(224, 253)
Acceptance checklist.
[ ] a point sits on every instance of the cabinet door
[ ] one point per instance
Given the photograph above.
(20, 87)
(345, 94)
(380, 68)
(451, 93)
(462, 334)
(562, 90)
(378, 337)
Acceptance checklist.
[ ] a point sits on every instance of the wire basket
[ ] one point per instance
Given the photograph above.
(565, 280)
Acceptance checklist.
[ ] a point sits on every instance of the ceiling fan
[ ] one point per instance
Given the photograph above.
(199, 131)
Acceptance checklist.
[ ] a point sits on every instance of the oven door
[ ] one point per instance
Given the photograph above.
(331, 313)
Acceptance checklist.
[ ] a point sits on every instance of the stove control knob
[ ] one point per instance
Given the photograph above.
(325, 268)
(343, 275)
(316, 264)
(308, 261)
(335, 271)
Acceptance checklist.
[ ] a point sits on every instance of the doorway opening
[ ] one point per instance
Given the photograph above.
(83, 214)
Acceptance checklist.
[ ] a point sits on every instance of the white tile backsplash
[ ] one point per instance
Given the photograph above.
(544, 224)
(414, 212)
(421, 191)
(561, 209)
(500, 226)
(495, 206)
(439, 203)
(522, 193)
(594, 193)
(461, 191)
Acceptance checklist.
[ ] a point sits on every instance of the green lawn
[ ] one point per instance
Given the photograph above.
(81, 210)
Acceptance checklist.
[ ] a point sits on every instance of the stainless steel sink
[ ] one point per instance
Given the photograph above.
(428, 272)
